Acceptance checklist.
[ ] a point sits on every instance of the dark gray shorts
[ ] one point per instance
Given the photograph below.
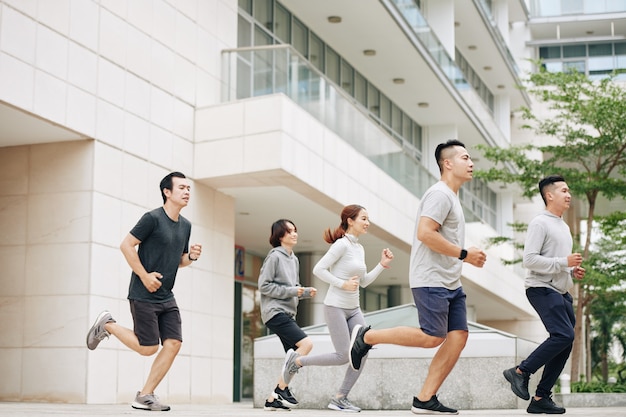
(156, 321)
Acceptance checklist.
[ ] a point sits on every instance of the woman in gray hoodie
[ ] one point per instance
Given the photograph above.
(279, 285)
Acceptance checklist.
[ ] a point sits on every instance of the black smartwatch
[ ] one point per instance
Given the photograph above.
(463, 254)
(191, 259)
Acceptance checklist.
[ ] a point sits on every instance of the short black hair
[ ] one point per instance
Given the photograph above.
(166, 182)
(279, 230)
(441, 147)
(545, 182)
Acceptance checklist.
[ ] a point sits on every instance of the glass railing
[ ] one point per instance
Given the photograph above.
(550, 8)
(263, 70)
(485, 7)
(411, 14)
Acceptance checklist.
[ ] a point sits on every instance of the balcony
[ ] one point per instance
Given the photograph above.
(280, 69)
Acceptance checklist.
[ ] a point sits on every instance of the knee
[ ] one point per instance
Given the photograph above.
(305, 346)
(148, 350)
(433, 342)
(172, 344)
(342, 358)
(566, 338)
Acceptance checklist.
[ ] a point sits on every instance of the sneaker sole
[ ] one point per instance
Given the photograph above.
(424, 411)
(345, 410)
(288, 355)
(285, 402)
(355, 332)
(522, 395)
(138, 406)
(100, 316)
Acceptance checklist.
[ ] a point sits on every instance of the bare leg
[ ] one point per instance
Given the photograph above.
(161, 365)
(403, 336)
(442, 363)
(129, 338)
(304, 347)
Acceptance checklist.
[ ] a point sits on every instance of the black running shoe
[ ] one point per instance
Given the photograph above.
(358, 347)
(275, 405)
(519, 382)
(432, 406)
(285, 397)
(544, 406)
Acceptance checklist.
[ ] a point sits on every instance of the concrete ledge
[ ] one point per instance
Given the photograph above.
(592, 399)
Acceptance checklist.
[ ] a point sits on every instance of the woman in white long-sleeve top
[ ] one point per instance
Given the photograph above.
(343, 268)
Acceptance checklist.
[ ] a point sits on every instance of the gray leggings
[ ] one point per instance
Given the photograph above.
(340, 322)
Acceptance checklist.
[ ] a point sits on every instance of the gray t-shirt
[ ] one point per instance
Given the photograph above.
(548, 243)
(427, 267)
(163, 243)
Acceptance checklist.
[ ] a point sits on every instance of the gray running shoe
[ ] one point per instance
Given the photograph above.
(343, 404)
(290, 368)
(98, 333)
(148, 402)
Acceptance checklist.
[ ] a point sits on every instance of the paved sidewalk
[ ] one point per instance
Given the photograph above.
(245, 409)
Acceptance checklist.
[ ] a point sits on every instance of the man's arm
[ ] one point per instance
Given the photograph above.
(190, 257)
(149, 279)
(428, 234)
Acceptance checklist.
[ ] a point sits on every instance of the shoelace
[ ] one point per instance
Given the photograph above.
(102, 335)
(345, 402)
(293, 369)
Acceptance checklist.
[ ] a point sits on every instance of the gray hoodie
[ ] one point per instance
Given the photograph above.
(548, 243)
(278, 284)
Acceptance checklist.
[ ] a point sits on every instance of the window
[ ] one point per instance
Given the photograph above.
(316, 52)
(282, 24)
(263, 13)
(332, 65)
(300, 39)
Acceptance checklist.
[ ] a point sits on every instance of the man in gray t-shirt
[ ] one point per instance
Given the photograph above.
(437, 257)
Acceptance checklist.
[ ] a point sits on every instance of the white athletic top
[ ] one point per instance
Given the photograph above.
(345, 258)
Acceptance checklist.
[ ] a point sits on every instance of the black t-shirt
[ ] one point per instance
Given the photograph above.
(163, 242)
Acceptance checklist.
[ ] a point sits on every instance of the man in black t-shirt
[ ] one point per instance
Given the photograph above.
(162, 237)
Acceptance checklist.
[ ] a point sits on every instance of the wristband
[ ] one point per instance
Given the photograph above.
(463, 254)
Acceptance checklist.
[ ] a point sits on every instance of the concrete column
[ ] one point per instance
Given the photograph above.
(440, 17)
(394, 295)
(311, 311)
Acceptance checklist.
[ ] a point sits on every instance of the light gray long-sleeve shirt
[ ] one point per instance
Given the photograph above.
(345, 259)
(548, 243)
(279, 280)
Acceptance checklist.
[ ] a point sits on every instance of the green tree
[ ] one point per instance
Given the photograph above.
(586, 131)
(606, 289)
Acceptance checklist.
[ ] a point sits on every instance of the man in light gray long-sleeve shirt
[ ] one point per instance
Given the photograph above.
(551, 267)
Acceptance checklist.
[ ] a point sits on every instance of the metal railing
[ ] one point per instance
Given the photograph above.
(263, 70)
(280, 69)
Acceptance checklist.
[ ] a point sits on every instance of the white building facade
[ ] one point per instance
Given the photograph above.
(274, 109)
